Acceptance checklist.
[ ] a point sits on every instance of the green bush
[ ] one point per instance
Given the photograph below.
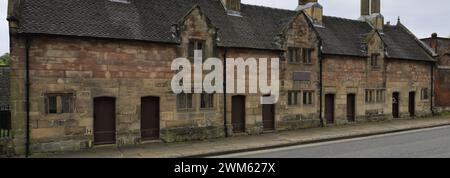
(445, 113)
(5, 133)
(5, 59)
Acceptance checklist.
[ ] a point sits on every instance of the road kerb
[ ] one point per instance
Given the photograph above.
(305, 142)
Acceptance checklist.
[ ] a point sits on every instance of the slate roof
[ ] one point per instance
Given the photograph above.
(401, 44)
(343, 36)
(4, 87)
(151, 20)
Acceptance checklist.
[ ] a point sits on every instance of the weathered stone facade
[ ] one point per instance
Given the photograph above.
(300, 34)
(128, 71)
(409, 76)
(345, 75)
(90, 67)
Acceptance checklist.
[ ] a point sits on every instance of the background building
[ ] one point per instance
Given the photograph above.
(442, 75)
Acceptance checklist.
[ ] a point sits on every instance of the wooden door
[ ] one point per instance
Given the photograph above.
(396, 105)
(412, 104)
(329, 108)
(150, 118)
(268, 113)
(104, 120)
(351, 107)
(238, 113)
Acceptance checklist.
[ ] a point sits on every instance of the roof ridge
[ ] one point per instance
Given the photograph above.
(439, 38)
(267, 7)
(343, 18)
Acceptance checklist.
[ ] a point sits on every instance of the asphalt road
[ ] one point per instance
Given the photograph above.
(426, 143)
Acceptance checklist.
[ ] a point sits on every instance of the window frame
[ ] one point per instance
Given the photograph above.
(294, 55)
(187, 105)
(308, 98)
(194, 45)
(375, 96)
(424, 94)
(207, 104)
(66, 104)
(293, 98)
(307, 55)
(375, 60)
(56, 103)
(51, 104)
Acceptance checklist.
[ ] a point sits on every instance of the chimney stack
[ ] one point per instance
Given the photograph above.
(313, 9)
(434, 35)
(371, 13)
(369, 7)
(13, 5)
(375, 7)
(304, 2)
(13, 14)
(434, 42)
(232, 5)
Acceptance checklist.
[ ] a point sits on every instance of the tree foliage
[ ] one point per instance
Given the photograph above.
(5, 59)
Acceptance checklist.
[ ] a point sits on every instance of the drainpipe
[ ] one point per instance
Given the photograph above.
(321, 83)
(27, 92)
(225, 92)
(432, 89)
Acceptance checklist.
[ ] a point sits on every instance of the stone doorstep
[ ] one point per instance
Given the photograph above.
(245, 143)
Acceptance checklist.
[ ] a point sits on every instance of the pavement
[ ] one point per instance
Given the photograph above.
(238, 144)
(422, 143)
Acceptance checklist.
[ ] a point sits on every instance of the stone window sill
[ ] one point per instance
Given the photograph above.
(293, 106)
(185, 110)
(374, 103)
(207, 109)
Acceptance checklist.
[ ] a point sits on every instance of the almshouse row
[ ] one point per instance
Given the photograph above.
(97, 77)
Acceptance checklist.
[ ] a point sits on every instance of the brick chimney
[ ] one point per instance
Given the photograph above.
(371, 13)
(434, 42)
(232, 6)
(313, 9)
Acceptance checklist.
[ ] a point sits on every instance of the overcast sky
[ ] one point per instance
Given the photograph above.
(421, 17)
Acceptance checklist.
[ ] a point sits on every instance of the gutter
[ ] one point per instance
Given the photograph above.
(27, 92)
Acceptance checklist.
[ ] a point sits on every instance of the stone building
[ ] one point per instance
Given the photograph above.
(367, 62)
(441, 46)
(97, 72)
